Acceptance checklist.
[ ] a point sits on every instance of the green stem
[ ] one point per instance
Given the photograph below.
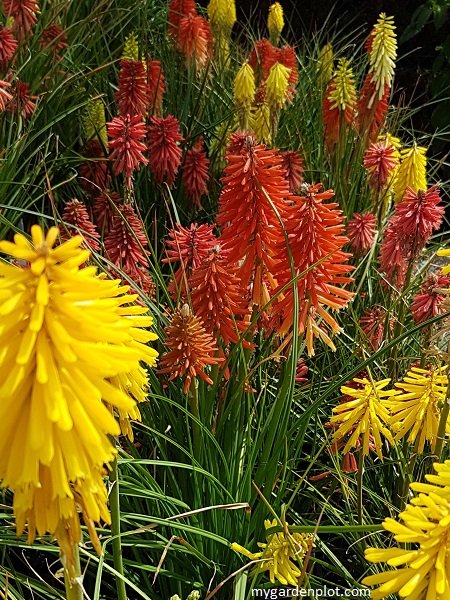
(114, 502)
(193, 404)
(359, 484)
(74, 589)
(442, 426)
(399, 326)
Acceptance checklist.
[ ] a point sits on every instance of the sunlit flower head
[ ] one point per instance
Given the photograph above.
(195, 41)
(412, 171)
(275, 22)
(276, 86)
(427, 303)
(364, 415)
(131, 96)
(416, 410)
(339, 104)
(65, 334)
(222, 15)
(191, 348)
(361, 231)
(260, 117)
(163, 137)
(261, 59)
(421, 569)
(282, 555)
(381, 159)
(177, 10)
(244, 85)
(127, 146)
(383, 53)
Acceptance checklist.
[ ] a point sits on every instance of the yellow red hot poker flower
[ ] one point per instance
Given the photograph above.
(70, 342)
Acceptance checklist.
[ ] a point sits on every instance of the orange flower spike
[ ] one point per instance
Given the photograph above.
(219, 299)
(254, 183)
(131, 96)
(191, 348)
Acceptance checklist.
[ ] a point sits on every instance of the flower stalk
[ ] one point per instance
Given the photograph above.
(114, 501)
(74, 588)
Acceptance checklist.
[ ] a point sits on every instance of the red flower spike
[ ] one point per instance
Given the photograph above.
(24, 13)
(155, 86)
(104, 209)
(361, 231)
(262, 58)
(195, 173)
(164, 152)
(239, 142)
(218, 298)
(124, 240)
(54, 37)
(301, 371)
(372, 111)
(76, 214)
(190, 247)
(392, 256)
(195, 41)
(131, 97)
(335, 120)
(315, 231)
(22, 101)
(127, 133)
(427, 302)
(191, 348)
(8, 46)
(177, 10)
(418, 216)
(292, 161)
(373, 324)
(380, 159)
(250, 226)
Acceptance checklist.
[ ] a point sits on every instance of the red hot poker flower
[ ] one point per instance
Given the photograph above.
(53, 36)
(195, 172)
(24, 13)
(127, 133)
(164, 152)
(427, 302)
(94, 176)
(372, 110)
(381, 160)
(250, 226)
(104, 209)
(219, 299)
(188, 246)
(76, 214)
(5, 97)
(262, 58)
(191, 348)
(131, 97)
(8, 46)
(125, 240)
(177, 10)
(374, 326)
(361, 231)
(22, 101)
(195, 41)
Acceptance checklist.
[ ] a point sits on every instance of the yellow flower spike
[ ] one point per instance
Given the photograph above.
(279, 554)
(426, 526)
(222, 15)
(275, 22)
(363, 416)
(343, 95)
(95, 122)
(261, 123)
(131, 47)
(383, 53)
(244, 93)
(411, 172)
(417, 409)
(70, 342)
(276, 86)
(325, 64)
